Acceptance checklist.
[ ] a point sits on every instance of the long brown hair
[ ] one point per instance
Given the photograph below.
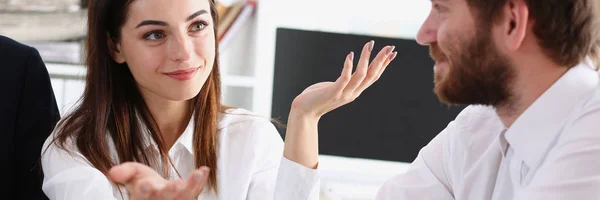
(112, 104)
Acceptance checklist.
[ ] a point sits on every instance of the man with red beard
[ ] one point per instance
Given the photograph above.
(528, 71)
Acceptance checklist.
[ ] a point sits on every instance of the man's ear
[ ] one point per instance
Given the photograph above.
(115, 49)
(517, 14)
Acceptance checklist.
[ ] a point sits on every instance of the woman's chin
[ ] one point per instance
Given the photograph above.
(182, 96)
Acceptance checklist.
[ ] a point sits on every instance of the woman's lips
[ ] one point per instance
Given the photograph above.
(182, 75)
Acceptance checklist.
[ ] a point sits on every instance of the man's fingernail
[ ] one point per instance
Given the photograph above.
(371, 45)
(393, 56)
(198, 176)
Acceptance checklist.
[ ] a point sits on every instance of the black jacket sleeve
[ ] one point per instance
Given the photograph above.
(36, 117)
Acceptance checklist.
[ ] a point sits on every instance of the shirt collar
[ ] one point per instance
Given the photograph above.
(186, 139)
(531, 135)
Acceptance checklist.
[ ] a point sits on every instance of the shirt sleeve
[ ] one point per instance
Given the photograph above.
(426, 178)
(432, 176)
(276, 177)
(69, 176)
(572, 168)
(296, 182)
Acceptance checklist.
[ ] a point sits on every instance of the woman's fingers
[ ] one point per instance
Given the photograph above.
(143, 188)
(387, 62)
(361, 69)
(141, 181)
(171, 190)
(195, 183)
(375, 69)
(326, 96)
(123, 173)
(344, 78)
(130, 172)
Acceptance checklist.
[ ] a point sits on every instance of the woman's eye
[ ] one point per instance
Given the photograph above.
(198, 26)
(154, 35)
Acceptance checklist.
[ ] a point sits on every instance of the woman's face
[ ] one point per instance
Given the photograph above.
(169, 46)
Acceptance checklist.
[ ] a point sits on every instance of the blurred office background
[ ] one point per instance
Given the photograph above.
(270, 51)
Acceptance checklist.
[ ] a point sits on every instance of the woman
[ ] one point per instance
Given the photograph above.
(150, 124)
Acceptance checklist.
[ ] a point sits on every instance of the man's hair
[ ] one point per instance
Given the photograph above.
(567, 30)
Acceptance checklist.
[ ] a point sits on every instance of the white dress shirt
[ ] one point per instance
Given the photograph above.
(250, 166)
(551, 152)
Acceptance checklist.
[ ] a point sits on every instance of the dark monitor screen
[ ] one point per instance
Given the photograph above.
(392, 120)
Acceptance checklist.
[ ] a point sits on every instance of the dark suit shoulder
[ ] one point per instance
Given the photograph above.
(18, 59)
(9, 46)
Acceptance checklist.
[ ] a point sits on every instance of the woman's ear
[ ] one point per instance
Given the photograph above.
(115, 49)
